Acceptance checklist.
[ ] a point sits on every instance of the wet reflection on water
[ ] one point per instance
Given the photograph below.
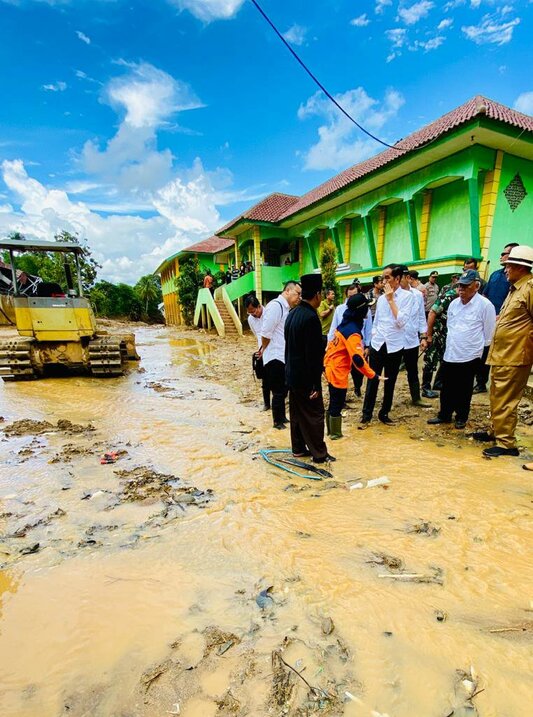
(114, 585)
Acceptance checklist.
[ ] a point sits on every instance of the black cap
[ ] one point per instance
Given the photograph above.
(359, 301)
(311, 283)
(468, 277)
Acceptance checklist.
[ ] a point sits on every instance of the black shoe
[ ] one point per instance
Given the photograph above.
(265, 408)
(280, 426)
(437, 386)
(496, 451)
(484, 436)
(365, 420)
(326, 459)
(305, 454)
(460, 424)
(386, 420)
(480, 389)
(428, 393)
(436, 421)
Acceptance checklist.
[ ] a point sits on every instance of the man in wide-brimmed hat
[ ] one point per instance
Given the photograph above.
(304, 356)
(511, 354)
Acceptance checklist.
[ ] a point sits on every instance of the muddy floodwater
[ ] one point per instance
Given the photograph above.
(131, 587)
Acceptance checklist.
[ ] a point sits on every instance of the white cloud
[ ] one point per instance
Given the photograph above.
(83, 37)
(340, 143)
(445, 24)
(427, 45)
(361, 21)
(55, 87)
(296, 35)
(491, 30)
(209, 10)
(381, 5)
(524, 103)
(414, 13)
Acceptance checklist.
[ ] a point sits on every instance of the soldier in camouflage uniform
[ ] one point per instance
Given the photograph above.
(437, 330)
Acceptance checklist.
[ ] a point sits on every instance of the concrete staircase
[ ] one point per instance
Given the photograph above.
(229, 326)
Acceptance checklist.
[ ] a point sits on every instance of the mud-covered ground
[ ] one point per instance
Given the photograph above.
(233, 588)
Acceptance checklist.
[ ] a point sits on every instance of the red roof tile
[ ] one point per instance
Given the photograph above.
(210, 246)
(268, 209)
(476, 107)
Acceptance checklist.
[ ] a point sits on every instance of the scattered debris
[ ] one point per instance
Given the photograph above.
(372, 483)
(216, 638)
(423, 528)
(30, 549)
(153, 673)
(265, 600)
(29, 427)
(435, 577)
(440, 615)
(465, 689)
(327, 626)
(390, 561)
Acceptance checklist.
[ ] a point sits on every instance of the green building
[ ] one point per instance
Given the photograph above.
(459, 187)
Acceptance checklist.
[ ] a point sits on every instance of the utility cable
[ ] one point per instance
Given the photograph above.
(317, 82)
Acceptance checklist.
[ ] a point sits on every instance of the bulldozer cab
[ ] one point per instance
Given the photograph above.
(48, 313)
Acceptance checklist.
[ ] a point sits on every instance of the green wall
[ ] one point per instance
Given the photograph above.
(359, 253)
(512, 226)
(449, 229)
(397, 242)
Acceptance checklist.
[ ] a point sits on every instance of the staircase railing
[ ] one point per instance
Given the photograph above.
(207, 311)
(222, 295)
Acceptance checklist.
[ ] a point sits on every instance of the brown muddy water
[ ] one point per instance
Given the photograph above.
(129, 589)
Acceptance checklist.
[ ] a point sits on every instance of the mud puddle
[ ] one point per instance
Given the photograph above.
(183, 575)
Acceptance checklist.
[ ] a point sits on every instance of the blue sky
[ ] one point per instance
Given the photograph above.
(144, 125)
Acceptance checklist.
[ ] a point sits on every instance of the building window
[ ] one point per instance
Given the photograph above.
(515, 192)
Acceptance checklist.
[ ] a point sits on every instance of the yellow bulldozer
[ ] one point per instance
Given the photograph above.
(57, 330)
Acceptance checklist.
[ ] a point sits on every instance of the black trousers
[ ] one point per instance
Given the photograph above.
(410, 359)
(482, 373)
(307, 423)
(275, 376)
(457, 387)
(380, 360)
(357, 378)
(337, 397)
(266, 390)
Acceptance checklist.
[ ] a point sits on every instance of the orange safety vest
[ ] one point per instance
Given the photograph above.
(338, 360)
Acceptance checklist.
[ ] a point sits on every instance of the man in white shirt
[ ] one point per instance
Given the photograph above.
(471, 323)
(393, 311)
(255, 312)
(272, 349)
(415, 338)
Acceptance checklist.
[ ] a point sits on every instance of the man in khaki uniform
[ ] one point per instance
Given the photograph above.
(511, 353)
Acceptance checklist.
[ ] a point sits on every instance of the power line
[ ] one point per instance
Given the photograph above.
(317, 82)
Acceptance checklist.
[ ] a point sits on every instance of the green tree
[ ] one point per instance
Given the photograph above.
(115, 301)
(328, 267)
(188, 283)
(148, 290)
(50, 266)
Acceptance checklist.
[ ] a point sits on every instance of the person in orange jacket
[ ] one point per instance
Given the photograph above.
(344, 351)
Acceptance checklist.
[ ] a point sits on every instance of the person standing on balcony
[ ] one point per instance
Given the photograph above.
(325, 313)
(304, 357)
(272, 349)
(209, 281)
(234, 273)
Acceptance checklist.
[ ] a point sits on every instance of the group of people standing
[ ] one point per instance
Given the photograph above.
(301, 334)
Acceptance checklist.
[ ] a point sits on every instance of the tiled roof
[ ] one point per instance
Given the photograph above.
(210, 246)
(267, 210)
(476, 107)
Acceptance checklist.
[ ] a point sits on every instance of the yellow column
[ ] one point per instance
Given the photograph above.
(424, 222)
(237, 262)
(489, 198)
(347, 240)
(381, 234)
(256, 234)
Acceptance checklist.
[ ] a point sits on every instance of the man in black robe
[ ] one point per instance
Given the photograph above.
(304, 362)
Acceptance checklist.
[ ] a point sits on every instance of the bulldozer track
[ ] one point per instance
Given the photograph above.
(107, 356)
(15, 361)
